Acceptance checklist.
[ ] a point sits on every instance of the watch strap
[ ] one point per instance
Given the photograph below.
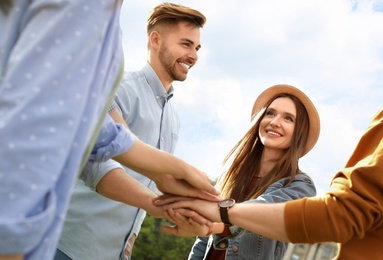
(225, 216)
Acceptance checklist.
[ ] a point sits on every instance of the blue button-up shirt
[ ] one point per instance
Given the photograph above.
(148, 110)
(58, 63)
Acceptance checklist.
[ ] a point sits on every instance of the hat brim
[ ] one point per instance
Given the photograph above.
(313, 115)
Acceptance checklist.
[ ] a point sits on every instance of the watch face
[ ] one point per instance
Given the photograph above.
(226, 203)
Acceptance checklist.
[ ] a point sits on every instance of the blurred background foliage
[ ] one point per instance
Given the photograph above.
(153, 244)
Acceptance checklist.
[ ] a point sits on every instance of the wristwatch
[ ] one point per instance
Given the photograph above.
(224, 206)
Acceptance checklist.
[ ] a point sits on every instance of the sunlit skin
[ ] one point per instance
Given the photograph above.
(276, 131)
(173, 52)
(264, 219)
(278, 124)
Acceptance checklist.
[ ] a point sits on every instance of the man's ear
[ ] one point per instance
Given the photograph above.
(155, 39)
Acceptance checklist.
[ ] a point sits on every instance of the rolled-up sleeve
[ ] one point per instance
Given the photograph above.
(94, 172)
(114, 139)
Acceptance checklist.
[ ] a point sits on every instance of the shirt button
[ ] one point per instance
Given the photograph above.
(162, 138)
(235, 249)
(222, 245)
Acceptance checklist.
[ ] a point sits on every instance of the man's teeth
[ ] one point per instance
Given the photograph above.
(185, 65)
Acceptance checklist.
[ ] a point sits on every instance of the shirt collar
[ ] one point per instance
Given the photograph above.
(155, 83)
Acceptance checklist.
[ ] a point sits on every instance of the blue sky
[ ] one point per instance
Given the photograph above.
(331, 49)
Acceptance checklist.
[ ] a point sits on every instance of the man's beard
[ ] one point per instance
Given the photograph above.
(165, 59)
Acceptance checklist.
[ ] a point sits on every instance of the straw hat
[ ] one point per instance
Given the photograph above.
(314, 120)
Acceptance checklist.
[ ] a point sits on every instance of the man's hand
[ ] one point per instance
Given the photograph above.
(157, 165)
(120, 186)
(169, 184)
(166, 170)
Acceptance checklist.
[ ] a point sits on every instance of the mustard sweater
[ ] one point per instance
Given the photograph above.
(352, 212)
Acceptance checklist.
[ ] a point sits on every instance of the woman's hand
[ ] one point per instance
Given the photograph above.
(190, 207)
(185, 226)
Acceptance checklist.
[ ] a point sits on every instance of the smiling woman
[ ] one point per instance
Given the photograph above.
(262, 166)
(277, 126)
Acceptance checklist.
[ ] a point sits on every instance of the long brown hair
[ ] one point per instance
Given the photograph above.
(243, 161)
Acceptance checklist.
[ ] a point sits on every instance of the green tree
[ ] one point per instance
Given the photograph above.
(152, 244)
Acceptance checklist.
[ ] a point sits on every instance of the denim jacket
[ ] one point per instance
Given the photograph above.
(243, 244)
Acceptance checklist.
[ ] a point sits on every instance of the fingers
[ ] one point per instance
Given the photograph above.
(205, 229)
(204, 184)
(171, 230)
(194, 216)
(176, 217)
(168, 199)
(182, 227)
(170, 216)
(201, 181)
(187, 226)
(171, 203)
(207, 196)
(169, 184)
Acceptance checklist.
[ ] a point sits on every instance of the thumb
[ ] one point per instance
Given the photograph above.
(169, 230)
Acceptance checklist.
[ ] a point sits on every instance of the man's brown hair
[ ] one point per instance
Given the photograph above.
(169, 13)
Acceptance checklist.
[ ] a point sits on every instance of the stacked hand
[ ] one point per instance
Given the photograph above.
(191, 216)
(169, 184)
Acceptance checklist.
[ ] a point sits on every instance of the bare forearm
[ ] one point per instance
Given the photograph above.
(155, 164)
(264, 219)
(158, 166)
(151, 162)
(146, 159)
(120, 186)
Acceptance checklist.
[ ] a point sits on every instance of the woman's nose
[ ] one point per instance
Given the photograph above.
(275, 122)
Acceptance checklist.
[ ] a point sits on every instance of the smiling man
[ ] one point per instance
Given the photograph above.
(97, 227)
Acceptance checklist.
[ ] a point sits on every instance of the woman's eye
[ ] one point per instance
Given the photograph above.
(289, 118)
